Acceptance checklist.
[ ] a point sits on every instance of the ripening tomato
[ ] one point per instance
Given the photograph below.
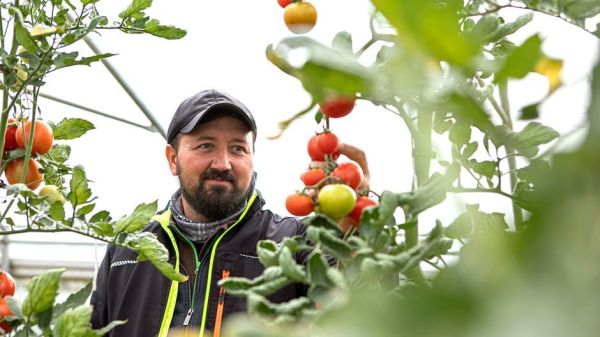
(313, 176)
(315, 153)
(14, 169)
(52, 194)
(336, 200)
(327, 142)
(299, 204)
(362, 203)
(300, 17)
(349, 173)
(284, 3)
(42, 136)
(5, 312)
(10, 142)
(337, 106)
(7, 284)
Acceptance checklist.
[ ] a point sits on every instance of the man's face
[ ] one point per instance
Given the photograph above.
(214, 164)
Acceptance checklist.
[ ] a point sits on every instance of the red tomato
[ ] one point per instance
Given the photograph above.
(284, 3)
(313, 176)
(42, 136)
(350, 174)
(5, 312)
(7, 284)
(327, 142)
(337, 106)
(14, 169)
(10, 142)
(362, 203)
(299, 204)
(315, 153)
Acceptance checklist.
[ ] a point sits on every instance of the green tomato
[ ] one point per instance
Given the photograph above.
(52, 194)
(336, 200)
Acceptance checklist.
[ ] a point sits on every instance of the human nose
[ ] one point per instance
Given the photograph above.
(221, 161)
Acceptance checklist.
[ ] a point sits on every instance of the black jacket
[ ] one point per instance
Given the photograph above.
(138, 292)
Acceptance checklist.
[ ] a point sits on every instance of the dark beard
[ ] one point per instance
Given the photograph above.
(215, 203)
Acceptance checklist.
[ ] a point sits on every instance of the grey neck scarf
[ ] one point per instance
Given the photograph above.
(200, 232)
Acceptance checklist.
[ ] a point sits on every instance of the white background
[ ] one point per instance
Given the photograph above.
(225, 49)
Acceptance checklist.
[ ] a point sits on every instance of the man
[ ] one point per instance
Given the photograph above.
(215, 222)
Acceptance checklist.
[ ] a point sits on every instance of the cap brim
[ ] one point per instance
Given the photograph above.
(189, 126)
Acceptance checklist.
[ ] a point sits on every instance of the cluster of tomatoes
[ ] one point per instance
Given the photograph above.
(17, 137)
(331, 188)
(299, 16)
(7, 289)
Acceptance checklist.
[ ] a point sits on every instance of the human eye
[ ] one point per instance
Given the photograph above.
(239, 149)
(205, 146)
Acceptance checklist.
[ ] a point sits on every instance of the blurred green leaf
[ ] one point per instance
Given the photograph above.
(342, 41)
(42, 292)
(534, 134)
(521, 61)
(135, 7)
(486, 168)
(149, 248)
(268, 252)
(74, 322)
(290, 268)
(430, 27)
(317, 270)
(510, 27)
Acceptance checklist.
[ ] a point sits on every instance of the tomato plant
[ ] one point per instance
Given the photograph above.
(42, 136)
(7, 284)
(337, 106)
(336, 200)
(52, 194)
(15, 169)
(313, 176)
(300, 17)
(299, 204)
(349, 173)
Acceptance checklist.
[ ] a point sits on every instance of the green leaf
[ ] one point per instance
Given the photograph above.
(74, 322)
(530, 111)
(57, 211)
(534, 134)
(42, 291)
(268, 253)
(521, 61)
(103, 228)
(85, 210)
(511, 27)
(154, 27)
(317, 270)
(149, 248)
(21, 33)
(467, 110)
(236, 286)
(460, 228)
(69, 62)
(460, 133)
(289, 266)
(71, 128)
(485, 168)
(270, 287)
(74, 300)
(486, 27)
(323, 70)
(138, 219)
(330, 242)
(80, 192)
(87, 2)
(430, 27)
(319, 220)
(59, 153)
(136, 6)
(469, 150)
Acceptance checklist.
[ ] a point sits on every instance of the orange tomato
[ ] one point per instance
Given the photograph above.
(42, 136)
(300, 17)
(14, 170)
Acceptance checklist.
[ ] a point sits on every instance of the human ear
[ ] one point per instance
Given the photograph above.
(171, 155)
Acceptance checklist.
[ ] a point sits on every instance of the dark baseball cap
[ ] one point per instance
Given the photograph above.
(194, 110)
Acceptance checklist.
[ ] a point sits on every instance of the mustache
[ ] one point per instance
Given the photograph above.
(219, 175)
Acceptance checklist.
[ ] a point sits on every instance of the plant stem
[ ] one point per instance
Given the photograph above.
(510, 152)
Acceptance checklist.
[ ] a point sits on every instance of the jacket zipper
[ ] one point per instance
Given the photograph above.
(192, 306)
(220, 306)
